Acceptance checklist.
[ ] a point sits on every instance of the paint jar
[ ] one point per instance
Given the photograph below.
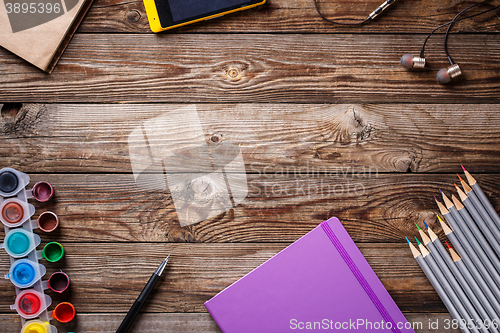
(19, 243)
(42, 191)
(14, 212)
(38, 326)
(64, 312)
(24, 273)
(12, 181)
(48, 221)
(58, 282)
(53, 252)
(31, 303)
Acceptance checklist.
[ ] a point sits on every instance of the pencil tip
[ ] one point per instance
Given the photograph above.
(460, 177)
(417, 226)
(447, 244)
(426, 226)
(407, 240)
(440, 191)
(463, 167)
(418, 242)
(439, 218)
(435, 198)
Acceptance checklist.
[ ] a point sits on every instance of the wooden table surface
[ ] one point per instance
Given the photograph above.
(310, 105)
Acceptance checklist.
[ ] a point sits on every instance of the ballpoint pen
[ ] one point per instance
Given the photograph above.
(136, 307)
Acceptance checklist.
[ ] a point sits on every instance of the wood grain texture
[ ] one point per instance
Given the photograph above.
(187, 322)
(332, 138)
(250, 68)
(299, 16)
(383, 208)
(110, 276)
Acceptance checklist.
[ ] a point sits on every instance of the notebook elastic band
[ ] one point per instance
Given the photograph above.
(361, 279)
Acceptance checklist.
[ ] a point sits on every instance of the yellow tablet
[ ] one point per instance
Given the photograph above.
(168, 14)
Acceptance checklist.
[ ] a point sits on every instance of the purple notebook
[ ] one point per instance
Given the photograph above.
(320, 282)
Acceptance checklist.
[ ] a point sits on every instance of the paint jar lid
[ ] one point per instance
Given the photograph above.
(42, 191)
(31, 303)
(38, 326)
(48, 221)
(8, 182)
(35, 326)
(19, 243)
(12, 181)
(24, 273)
(14, 212)
(58, 282)
(64, 312)
(53, 251)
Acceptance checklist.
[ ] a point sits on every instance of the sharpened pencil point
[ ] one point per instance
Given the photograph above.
(440, 191)
(463, 168)
(407, 240)
(426, 226)
(418, 228)
(436, 198)
(447, 244)
(460, 177)
(439, 218)
(418, 242)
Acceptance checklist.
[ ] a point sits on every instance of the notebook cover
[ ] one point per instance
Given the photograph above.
(309, 285)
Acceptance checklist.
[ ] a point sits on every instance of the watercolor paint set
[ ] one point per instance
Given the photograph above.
(21, 244)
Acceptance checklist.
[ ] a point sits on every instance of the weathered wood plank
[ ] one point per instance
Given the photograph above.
(298, 17)
(272, 137)
(383, 208)
(188, 322)
(254, 68)
(108, 277)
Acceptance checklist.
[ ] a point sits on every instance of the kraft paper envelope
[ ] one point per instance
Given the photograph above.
(39, 30)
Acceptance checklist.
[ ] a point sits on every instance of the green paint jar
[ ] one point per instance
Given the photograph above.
(53, 252)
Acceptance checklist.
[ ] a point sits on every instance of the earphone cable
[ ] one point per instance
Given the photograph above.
(422, 51)
(337, 22)
(448, 31)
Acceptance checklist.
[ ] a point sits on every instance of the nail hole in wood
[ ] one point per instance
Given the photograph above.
(133, 16)
(11, 109)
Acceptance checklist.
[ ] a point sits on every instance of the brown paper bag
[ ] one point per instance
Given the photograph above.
(39, 30)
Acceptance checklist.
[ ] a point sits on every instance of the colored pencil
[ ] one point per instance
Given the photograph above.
(472, 290)
(479, 206)
(435, 283)
(478, 271)
(445, 284)
(473, 250)
(455, 287)
(492, 234)
(493, 309)
(482, 198)
(475, 238)
(466, 220)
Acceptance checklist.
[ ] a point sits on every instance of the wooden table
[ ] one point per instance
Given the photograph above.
(310, 105)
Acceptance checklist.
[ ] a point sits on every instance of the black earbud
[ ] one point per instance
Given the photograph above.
(409, 61)
(445, 75)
